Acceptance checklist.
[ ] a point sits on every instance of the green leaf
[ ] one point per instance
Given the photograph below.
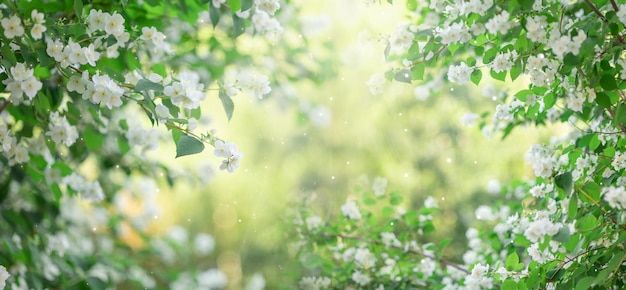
(188, 145)
(239, 25)
(388, 211)
(403, 76)
(516, 71)
(123, 145)
(586, 223)
(396, 198)
(563, 235)
(93, 139)
(509, 284)
(228, 104)
(571, 59)
(214, 14)
(603, 100)
(572, 208)
(78, 8)
(63, 168)
(607, 82)
(417, 72)
(246, 4)
(620, 115)
(144, 85)
(411, 5)
(591, 190)
(585, 283)
(476, 76)
(565, 182)
(235, 5)
(501, 76)
(511, 261)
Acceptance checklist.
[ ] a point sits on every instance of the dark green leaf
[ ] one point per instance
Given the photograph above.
(188, 145)
(78, 8)
(564, 181)
(607, 82)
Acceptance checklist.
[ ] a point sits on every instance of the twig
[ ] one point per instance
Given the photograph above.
(599, 13)
(4, 106)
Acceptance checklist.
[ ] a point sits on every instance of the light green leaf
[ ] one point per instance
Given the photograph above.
(235, 5)
(227, 103)
(511, 261)
(403, 76)
(585, 283)
(144, 85)
(188, 145)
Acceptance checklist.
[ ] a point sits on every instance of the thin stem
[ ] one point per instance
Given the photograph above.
(614, 6)
(599, 13)
(4, 106)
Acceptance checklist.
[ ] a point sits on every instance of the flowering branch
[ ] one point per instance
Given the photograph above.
(412, 251)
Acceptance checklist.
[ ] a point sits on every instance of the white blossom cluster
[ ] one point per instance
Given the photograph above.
(615, 196)
(460, 73)
(351, 210)
(542, 160)
(314, 283)
(231, 154)
(22, 83)
(16, 154)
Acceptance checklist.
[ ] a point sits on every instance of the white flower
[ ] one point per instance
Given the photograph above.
(313, 222)
(30, 87)
(389, 240)
(615, 196)
(255, 84)
(4, 275)
(364, 258)
(114, 24)
(256, 282)
(212, 279)
(61, 131)
(54, 49)
(12, 27)
(38, 28)
(468, 119)
(499, 23)
(351, 210)
(267, 26)
(460, 73)
(92, 191)
(267, 6)
(375, 83)
(430, 202)
(204, 244)
(360, 278)
(314, 283)
(379, 185)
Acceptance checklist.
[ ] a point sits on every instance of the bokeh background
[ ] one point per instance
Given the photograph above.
(321, 135)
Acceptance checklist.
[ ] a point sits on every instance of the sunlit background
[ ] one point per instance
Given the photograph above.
(322, 138)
